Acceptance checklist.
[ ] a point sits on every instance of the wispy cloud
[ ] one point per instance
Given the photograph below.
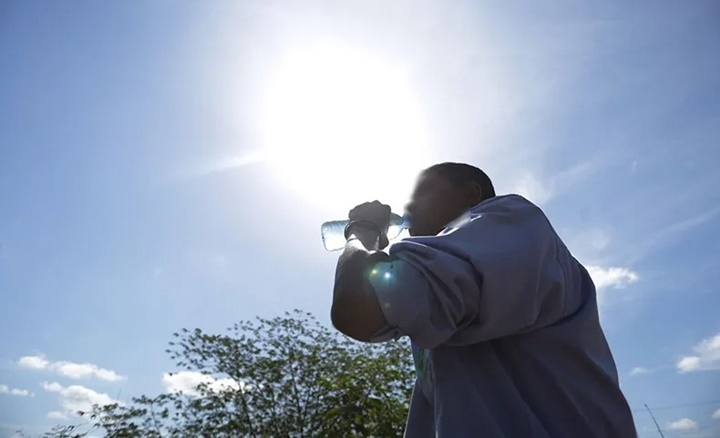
(56, 415)
(187, 382)
(229, 164)
(71, 370)
(532, 188)
(686, 224)
(559, 181)
(672, 233)
(596, 239)
(707, 356)
(682, 424)
(640, 370)
(4, 389)
(75, 398)
(716, 415)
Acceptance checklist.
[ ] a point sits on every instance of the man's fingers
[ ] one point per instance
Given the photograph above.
(374, 211)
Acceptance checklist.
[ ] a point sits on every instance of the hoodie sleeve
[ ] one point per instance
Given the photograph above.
(502, 272)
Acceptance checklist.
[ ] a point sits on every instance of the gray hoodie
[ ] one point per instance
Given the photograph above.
(505, 331)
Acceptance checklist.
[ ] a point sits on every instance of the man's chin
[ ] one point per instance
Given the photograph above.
(414, 232)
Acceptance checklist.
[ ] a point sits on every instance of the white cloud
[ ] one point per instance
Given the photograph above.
(71, 370)
(56, 415)
(688, 363)
(4, 389)
(52, 387)
(33, 362)
(184, 381)
(187, 382)
(716, 414)
(83, 370)
(639, 370)
(612, 277)
(707, 356)
(76, 398)
(683, 424)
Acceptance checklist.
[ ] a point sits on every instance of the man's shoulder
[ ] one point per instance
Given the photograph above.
(498, 217)
(511, 200)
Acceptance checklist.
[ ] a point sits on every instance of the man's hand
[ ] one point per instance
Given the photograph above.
(375, 213)
(356, 310)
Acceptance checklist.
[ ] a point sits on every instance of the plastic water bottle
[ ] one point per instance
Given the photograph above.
(333, 232)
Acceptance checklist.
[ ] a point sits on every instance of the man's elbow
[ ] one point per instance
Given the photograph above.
(337, 319)
(347, 325)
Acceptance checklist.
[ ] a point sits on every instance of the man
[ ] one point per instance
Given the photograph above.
(503, 320)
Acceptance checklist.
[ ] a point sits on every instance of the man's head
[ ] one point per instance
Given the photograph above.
(442, 193)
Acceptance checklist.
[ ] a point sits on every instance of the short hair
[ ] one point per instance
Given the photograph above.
(461, 173)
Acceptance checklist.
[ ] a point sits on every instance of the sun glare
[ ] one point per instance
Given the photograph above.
(341, 126)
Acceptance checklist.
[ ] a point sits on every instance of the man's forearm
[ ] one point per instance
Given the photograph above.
(355, 310)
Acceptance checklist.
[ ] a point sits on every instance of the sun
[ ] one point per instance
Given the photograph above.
(342, 126)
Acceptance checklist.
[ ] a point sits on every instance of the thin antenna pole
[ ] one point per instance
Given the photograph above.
(655, 421)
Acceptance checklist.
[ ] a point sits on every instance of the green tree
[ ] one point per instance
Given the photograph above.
(281, 377)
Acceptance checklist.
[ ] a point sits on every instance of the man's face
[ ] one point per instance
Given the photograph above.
(435, 203)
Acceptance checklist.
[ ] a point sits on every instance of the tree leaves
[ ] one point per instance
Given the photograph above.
(291, 377)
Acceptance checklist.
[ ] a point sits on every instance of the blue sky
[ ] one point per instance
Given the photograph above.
(168, 164)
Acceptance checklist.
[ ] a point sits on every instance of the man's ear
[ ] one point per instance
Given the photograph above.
(473, 193)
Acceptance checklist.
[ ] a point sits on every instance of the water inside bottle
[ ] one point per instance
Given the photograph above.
(333, 232)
